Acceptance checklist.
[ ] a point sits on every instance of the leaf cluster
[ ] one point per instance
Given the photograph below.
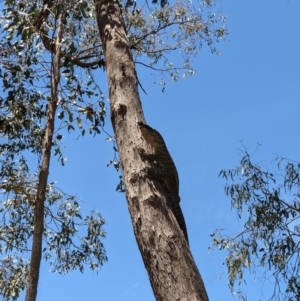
(269, 203)
(66, 247)
(156, 32)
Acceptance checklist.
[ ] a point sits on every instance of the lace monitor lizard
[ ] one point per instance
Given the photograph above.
(167, 172)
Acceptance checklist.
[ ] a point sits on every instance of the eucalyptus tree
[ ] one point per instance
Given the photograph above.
(146, 33)
(44, 45)
(267, 201)
(38, 79)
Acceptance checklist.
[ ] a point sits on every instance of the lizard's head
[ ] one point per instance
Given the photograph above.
(146, 131)
(152, 136)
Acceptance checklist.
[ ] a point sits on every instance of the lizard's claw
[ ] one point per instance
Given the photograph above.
(148, 171)
(142, 152)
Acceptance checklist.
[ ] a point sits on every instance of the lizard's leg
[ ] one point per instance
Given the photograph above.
(145, 155)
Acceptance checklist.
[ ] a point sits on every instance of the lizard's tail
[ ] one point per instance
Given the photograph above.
(180, 219)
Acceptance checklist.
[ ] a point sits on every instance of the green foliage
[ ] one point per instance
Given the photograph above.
(157, 32)
(12, 276)
(26, 72)
(66, 247)
(269, 203)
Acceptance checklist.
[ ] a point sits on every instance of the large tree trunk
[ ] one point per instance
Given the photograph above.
(172, 271)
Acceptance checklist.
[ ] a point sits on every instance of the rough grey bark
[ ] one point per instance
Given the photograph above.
(36, 253)
(172, 271)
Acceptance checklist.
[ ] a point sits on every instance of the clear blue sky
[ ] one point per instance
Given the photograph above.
(250, 93)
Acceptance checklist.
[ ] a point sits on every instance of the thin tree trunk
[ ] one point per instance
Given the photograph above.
(36, 253)
(172, 271)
